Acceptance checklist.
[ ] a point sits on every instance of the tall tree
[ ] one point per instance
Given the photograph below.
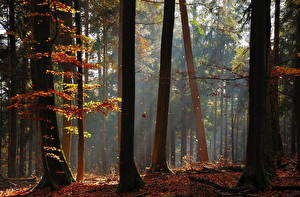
(159, 162)
(80, 161)
(129, 176)
(297, 85)
(274, 84)
(56, 170)
(254, 173)
(193, 83)
(66, 39)
(12, 155)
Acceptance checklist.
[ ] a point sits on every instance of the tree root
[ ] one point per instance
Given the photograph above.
(288, 187)
(242, 190)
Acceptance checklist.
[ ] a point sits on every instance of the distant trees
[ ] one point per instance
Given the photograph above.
(159, 162)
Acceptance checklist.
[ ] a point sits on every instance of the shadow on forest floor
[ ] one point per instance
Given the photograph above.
(210, 179)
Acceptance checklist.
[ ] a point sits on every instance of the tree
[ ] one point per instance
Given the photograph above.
(297, 86)
(12, 112)
(56, 170)
(193, 83)
(66, 39)
(129, 176)
(254, 173)
(80, 165)
(159, 163)
(274, 84)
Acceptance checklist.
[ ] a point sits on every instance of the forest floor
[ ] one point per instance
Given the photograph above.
(209, 179)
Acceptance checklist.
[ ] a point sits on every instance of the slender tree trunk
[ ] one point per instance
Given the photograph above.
(172, 147)
(12, 154)
(159, 163)
(22, 153)
(120, 58)
(237, 137)
(221, 124)
(214, 154)
(293, 130)
(233, 120)
(193, 83)
(226, 129)
(129, 176)
(278, 147)
(183, 131)
(297, 86)
(66, 39)
(192, 142)
(86, 32)
(80, 164)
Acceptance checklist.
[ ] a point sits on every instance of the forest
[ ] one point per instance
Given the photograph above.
(172, 98)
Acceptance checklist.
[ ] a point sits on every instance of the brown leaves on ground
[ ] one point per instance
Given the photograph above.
(286, 183)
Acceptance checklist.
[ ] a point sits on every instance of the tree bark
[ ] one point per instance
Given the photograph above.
(254, 173)
(66, 39)
(80, 164)
(129, 176)
(200, 133)
(56, 170)
(159, 163)
(297, 86)
(12, 143)
(278, 147)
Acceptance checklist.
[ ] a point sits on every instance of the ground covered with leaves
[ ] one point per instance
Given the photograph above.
(210, 179)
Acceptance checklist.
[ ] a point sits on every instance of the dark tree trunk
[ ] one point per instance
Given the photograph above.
(129, 176)
(12, 143)
(56, 170)
(221, 124)
(80, 161)
(293, 129)
(159, 163)
(233, 120)
(254, 173)
(278, 147)
(214, 154)
(297, 87)
(226, 129)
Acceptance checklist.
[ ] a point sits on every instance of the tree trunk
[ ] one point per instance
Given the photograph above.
(226, 129)
(254, 173)
(86, 32)
(233, 120)
(159, 163)
(297, 87)
(56, 170)
(184, 131)
(12, 143)
(222, 124)
(200, 133)
(192, 142)
(214, 153)
(80, 164)
(66, 39)
(129, 176)
(278, 147)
